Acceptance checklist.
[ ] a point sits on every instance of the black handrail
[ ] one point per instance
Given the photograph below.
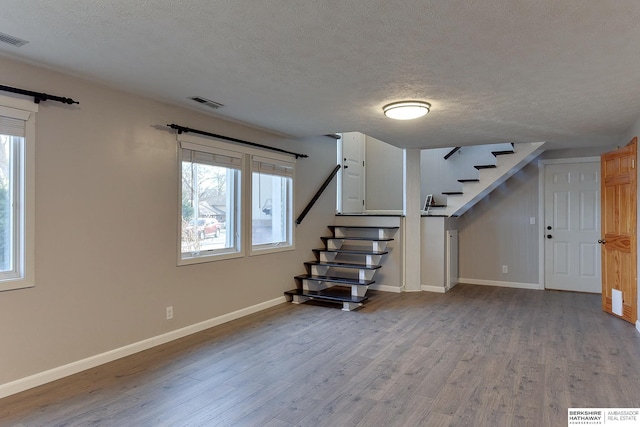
(184, 129)
(38, 96)
(452, 152)
(318, 194)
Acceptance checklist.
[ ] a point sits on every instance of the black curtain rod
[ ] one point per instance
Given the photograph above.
(183, 129)
(38, 96)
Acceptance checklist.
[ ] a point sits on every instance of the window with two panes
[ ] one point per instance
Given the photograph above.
(213, 192)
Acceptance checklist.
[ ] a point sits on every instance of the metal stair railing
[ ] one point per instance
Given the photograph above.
(318, 194)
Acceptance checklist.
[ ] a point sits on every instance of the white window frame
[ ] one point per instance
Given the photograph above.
(23, 273)
(281, 163)
(221, 148)
(244, 198)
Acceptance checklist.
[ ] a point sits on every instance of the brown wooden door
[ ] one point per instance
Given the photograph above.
(619, 230)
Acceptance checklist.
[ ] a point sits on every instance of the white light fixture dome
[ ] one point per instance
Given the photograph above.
(406, 110)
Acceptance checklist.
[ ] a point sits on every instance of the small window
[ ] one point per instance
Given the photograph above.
(271, 205)
(17, 128)
(210, 203)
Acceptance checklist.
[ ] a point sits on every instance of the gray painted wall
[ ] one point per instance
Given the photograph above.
(497, 231)
(384, 171)
(106, 228)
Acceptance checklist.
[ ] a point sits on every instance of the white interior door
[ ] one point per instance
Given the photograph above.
(572, 227)
(352, 198)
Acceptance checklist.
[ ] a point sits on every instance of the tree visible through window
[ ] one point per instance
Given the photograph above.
(209, 203)
(233, 199)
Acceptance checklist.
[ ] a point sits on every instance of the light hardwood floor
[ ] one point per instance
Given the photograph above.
(476, 356)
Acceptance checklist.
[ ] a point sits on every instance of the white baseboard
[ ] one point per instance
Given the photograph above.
(50, 375)
(638, 325)
(386, 288)
(518, 285)
(431, 288)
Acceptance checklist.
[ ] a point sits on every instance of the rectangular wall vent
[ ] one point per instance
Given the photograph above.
(14, 41)
(207, 102)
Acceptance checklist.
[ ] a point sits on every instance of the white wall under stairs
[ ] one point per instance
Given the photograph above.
(439, 175)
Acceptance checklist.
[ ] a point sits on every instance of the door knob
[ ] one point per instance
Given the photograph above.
(602, 241)
(345, 167)
(549, 236)
(548, 227)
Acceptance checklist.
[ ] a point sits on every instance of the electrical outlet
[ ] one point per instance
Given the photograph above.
(505, 269)
(169, 312)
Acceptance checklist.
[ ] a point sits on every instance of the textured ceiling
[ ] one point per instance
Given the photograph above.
(566, 72)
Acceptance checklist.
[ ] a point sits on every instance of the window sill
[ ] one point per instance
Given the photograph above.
(15, 284)
(209, 258)
(271, 250)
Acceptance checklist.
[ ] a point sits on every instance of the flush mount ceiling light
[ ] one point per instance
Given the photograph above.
(406, 110)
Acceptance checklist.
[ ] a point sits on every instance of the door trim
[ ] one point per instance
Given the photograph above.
(542, 164)
(340, 180)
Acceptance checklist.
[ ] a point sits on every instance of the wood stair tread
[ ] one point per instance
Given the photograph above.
(370, 227)
(332, 294)
(365, 239)
(323, 283)
(351, 251)
(343, 265)
(485, 167)
(341, 280)
(500, 153)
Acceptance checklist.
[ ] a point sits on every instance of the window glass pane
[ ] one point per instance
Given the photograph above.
(271, 206)
(208, 209)
(17, 156)
(6, 212)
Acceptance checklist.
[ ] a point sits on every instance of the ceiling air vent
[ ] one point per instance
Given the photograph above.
(13, 41)
(207, 102)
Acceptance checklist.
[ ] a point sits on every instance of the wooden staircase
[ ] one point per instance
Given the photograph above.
(344, 269)
(507, 160)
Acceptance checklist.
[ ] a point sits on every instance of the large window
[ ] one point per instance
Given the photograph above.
(210, 209)
(271, 204)
(17, 128)
(233, 197)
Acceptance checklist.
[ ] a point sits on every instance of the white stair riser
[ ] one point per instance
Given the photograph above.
(377, 246)
(350, 306)
(319, 285)
(314, 285)
(323, 270)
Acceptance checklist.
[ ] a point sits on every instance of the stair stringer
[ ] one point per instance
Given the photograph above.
(490, 179)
